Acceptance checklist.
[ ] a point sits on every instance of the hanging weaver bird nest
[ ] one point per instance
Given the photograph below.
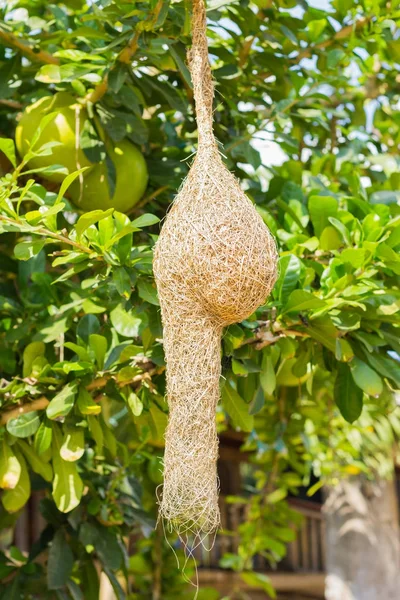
(215, 262)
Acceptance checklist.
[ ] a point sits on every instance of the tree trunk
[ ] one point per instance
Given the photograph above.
(362, 541)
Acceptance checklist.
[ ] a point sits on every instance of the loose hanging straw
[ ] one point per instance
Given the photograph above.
(215, 262)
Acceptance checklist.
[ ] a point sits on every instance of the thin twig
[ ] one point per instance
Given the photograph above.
(339, 35)
(50, 234)
(14, 104)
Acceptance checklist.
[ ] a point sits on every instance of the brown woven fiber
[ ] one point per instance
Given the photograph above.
(215, 262)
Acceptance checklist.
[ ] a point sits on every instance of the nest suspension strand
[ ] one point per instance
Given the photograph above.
(215, 262)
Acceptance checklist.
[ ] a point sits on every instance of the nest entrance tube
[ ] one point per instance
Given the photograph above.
(215, 262)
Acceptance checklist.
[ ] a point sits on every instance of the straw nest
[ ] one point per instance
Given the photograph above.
(214, 264)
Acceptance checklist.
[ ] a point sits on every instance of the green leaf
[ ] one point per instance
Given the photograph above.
(267, 375)
(75, 591)
(276, 496)
(49, 74)
(366, 378)
(60, 562)
(10, 468)
(385, 366)
(73, 446)
(90, 218)
(122, 282)
(157, 422)
(320, 209)
(88, 325)
(50, 170)
(63, 402)
(181, 64)
(98, 344)
(348, 396)
(104, 541)
(37, 464)
(126, 323)
(145, 221)
(148, 292)
(90, 580)
(7, 146)
(236, 408)
(292, 213)
(26, 250)
(116, 586)
(315, 29)
(92, 308)
(289, 274)
(110, 441)
(258, 402)
(43, 436)
(300, 300)
(344, 351)
(81, 352)
(259, 580)
(67, 485)
(135, 404)
(323, 330)
(25, 425)
(355, 256)
(342, 229)
(85, 403)
(67, 182)
(97, 432)
(31, 352)
(330, 239)
(14, 499)
(238, 368)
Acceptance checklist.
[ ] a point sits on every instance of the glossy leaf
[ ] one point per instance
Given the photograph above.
(63, 402)
(366, 378)
(10, 467)
(73, 445)
(236, 408)
(85, 403)
(35, 461)
(300, 300)
(15, 498)
(67, 484)
(25, 425)
(348, 396)
(60, 562)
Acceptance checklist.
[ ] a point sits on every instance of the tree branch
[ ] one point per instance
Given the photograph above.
(339, 35)
(14, 104)
(10, 40)
(38, 404)
(43, 402)
(98, 91)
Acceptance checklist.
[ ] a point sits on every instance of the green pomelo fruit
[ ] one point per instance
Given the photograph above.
(67, 122)
(92, 191)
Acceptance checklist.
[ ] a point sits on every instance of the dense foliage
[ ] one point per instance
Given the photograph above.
(310, 377)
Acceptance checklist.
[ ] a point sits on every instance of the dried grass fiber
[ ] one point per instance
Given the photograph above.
(215, 262)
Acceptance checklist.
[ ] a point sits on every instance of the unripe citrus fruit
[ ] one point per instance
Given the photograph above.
(69, 119)
(93, 191)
